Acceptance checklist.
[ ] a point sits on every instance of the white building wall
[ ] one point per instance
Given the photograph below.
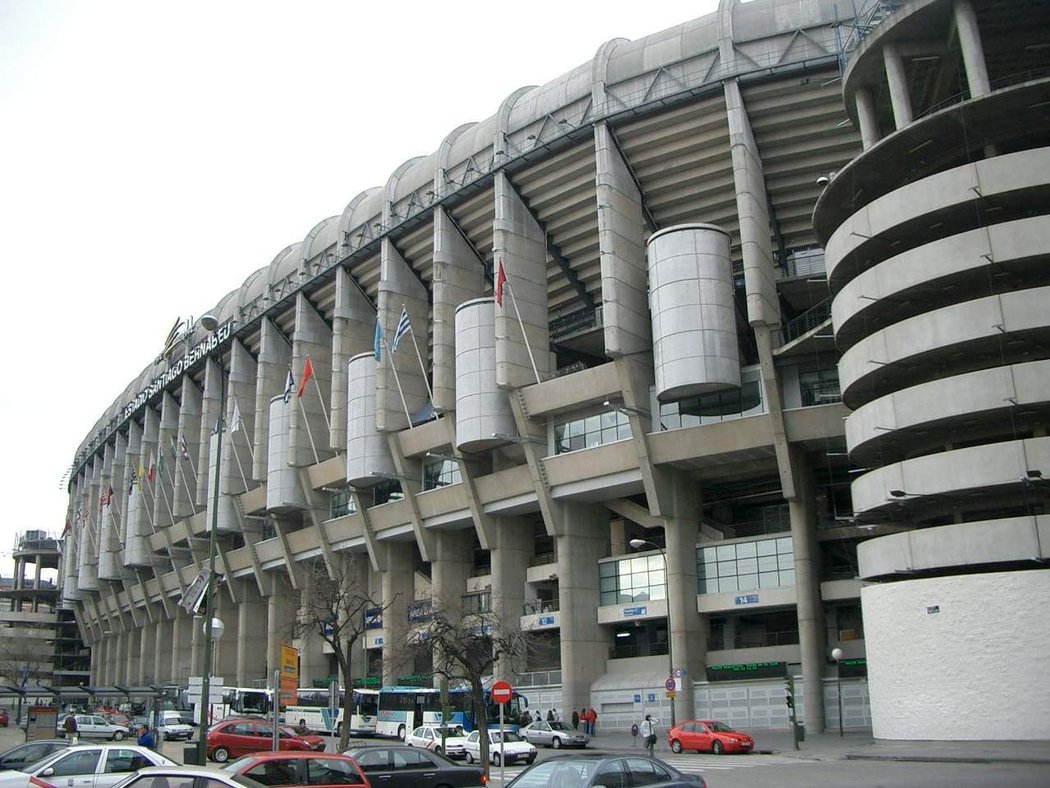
(964, 657)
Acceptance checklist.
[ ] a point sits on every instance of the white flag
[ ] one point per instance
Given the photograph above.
(235, 420)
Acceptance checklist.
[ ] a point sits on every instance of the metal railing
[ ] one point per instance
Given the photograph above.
(808, 320)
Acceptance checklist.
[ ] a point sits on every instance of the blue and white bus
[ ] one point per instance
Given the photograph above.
(402, 709)
(312, 709)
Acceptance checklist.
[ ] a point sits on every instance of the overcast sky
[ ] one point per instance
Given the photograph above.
(156, 153)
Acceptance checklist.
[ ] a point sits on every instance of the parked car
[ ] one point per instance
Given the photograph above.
(708, 736)
(5, 718)
(84, 766)
(29, 753)
(317, 743)
(94, 726)
(401, 766)
(512, 749)
(554, 734)
(234, 738)
(429, 738)
(170, 727)
(185, 777)
(586, 770)
(294, 769)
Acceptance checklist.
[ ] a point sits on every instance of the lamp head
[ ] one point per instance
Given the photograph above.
(209, 322)
(836, 654)
(638, 544)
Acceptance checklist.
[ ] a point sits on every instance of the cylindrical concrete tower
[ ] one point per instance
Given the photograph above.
(367, 452)
(283, 490)
(482, 408)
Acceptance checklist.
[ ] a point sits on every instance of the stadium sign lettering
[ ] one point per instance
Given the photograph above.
(179, 368)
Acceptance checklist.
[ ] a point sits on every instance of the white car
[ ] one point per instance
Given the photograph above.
(86, 766)
(95, 726)
(513, 748)
(554, 734)
(171, 727)
(429, 737)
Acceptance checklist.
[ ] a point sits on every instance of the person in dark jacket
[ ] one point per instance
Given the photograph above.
(575, 719)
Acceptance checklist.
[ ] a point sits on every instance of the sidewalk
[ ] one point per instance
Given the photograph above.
(860, 746)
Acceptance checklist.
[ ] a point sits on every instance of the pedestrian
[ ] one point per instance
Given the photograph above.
(575, 719)
(594, 721)
(538, 717)
(146, 738)
(586, 716)
(70, 728)
(648, 730)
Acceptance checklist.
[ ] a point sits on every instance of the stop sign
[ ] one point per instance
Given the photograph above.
(501, 692)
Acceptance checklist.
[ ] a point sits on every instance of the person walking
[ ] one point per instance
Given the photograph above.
(594, 721)
(648, 730)
(575, 720)
(550, 715)
(69, 725)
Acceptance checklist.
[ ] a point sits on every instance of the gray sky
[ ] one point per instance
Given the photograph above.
(153, 154)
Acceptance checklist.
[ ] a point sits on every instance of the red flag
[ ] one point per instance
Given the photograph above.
(308, 370)
(501, 279)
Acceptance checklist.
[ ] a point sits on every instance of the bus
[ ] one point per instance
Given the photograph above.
(247, 701)
(402, 709)
(312, 710)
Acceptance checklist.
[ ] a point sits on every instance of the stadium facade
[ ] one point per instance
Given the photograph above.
(766, 290)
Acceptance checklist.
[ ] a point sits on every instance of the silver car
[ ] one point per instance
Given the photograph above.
(95, 726)
(86, 766)
(554, 734)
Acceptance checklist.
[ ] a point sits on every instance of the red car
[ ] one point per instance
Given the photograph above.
(4, 718)
(316, 743)
(295, 769)
(234, 738)
(708, 736)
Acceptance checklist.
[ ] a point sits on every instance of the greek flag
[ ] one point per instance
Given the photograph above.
(403, 327)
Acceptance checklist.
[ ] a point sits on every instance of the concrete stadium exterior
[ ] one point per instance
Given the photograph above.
(746, 259)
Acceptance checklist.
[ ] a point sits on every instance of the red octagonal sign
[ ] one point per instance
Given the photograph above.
(501, 692)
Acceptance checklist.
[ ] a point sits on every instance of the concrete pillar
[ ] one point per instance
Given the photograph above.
(869, 127)
(400, 287)
(688, 629)
(353, 332)
(812, 637)
(187, 459)
(237, 444)
(275, 354)
(621, 239)
(898, 84)
(519, 242)
(163, 485)
(184, 659)
(451, 567)
(510, 563)
(251, 635)
(398, 581)
(280, 623)
(459, 276)
(308, 421)
(313, 659)
(162, 650)
(132, 643)
(584, 647)
(972, 50)
(147, 660)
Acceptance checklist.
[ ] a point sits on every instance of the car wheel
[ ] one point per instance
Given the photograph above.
(339, 730)
(676, 746)
(439, 750)
(717, 748)
(556, 742)
(401, 733)
(494, 757)
(530, 759)
(221, 755)
(470, 757)
(118, 735)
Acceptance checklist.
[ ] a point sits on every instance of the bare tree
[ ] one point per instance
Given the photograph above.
(466, 648)
(24, 658)
(334, 606)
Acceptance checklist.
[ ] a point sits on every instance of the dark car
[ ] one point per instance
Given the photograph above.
(400, 766)
(295, 769)
(590, 770)
(234, 738)
(29, 753)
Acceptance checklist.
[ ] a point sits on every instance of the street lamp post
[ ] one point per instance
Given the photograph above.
(638, 544)
(211, 323)
(836, 654)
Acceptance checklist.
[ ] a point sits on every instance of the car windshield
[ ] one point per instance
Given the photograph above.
(720, 727)
(451, 730)
(568, 771)
(508, 736)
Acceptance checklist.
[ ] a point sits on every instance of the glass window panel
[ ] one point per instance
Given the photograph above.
(574, 428)
(767, 563)
(594, 439)
(608, 598)
(786, 561)
(607, 569)
(592, 424)
(727, 583)
(609, 434)
(747, 566)
(727, 568)
(746, 550)
(784, 545)
(608, 419)
(767, 547)
(787, 577)
(658, 592)
(607, 584)
(705, 586)
(726, 552)
(747, 582)
(657, 578)
(623, 431)
(769, 579)
(577, 442)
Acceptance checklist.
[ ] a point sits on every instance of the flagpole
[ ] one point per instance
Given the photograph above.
(419, 358)
(309, 432)
(324, 412)
(147, 508)
(236, 429)
(397, 380)
(164, 495)
(524, 336)
(237, 454)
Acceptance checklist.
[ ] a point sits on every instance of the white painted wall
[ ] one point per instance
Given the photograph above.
(979, 668)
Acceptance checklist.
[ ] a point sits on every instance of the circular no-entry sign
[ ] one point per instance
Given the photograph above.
(501, 692)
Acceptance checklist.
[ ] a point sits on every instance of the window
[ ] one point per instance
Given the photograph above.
(611, 775)
(819, 387)
(746, 566)
(590, 431)
(274, 773)
(718, 406)
(411, 760)
(440, 473)
(637, 579)
(342, 504)
(477, 603)
(76, 763)
(241, 729)
(645, 772)
(331, 771)
(374, 760)
(121, 760)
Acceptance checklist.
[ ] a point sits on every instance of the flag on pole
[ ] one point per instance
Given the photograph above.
(174, 447)
(151, 473)
(235, 420)
(289, 386)
(68, 528)
(105, 498)
(141, 472)
(308, 371)
(134, 481)
(377, 343)
(183, 447)
(501, 280)
(403, 327)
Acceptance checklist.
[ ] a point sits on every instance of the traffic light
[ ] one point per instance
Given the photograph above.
(789, 691)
